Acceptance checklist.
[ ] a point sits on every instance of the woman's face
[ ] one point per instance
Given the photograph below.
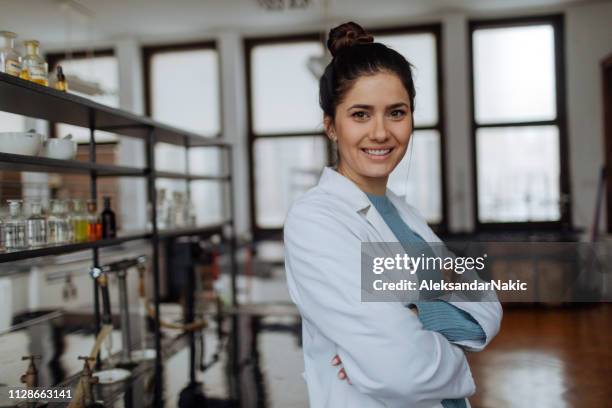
(372, 127)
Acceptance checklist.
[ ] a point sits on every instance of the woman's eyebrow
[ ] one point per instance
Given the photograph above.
(398, 105)
(359, 106)
(369, 107)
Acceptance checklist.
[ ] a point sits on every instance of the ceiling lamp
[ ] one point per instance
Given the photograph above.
(281, 5)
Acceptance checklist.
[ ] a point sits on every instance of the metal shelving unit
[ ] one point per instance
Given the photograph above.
(33, 100)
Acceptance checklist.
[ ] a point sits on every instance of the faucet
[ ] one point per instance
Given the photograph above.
(87, 380)
(30, 378)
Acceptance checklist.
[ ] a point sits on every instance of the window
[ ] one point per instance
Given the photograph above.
(182, 84)
(420, 175)
(519, 121)
(288, 149)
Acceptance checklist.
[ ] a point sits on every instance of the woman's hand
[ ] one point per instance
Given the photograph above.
(342, 373)
(337, 362)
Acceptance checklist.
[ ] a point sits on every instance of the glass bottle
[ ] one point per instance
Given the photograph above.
(10, 60)
(162, 209)
(109, 224)
(34, 66)
(79, 221)
(2, 247)
(191, 212)
(60, 83)
(57, 224)
(94, 226)
(15, 227)
(69, 213)
(36, 226)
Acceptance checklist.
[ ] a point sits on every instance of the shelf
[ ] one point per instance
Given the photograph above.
(17, 162)
(205, 230)
(30, 99)
(67, 248)
(190, 177)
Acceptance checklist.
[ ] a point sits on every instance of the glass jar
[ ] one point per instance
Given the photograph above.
(10, 60)
(36, 226)
(15, 227)
(78, 219)
(34, 67)
(57, 223)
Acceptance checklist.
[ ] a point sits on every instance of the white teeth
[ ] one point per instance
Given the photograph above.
(377, 152)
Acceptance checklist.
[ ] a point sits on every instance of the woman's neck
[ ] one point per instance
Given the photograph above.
(369, 185)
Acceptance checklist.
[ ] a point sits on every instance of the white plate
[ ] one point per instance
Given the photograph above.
(112, 376)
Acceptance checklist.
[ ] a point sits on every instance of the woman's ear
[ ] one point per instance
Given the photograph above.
(328, 123)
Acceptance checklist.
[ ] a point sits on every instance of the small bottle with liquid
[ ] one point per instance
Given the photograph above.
(33, 67)
(14, 227)
(57, 223)
(79, 221)
(94, 225)
(60, 83)
(10, 60)
(36, 226)
(2, 247)
(109, 225)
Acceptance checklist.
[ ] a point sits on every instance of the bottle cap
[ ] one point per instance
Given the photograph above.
(8, 34)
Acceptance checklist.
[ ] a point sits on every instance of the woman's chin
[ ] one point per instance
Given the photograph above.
(377, 171)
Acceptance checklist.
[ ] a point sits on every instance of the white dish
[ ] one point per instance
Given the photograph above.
(27, 144)
(63, 149)
(112, 376)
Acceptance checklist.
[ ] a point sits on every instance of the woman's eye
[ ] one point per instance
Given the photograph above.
(360, 115)
(398, 113)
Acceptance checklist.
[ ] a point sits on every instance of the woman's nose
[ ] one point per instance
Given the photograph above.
(379, 132)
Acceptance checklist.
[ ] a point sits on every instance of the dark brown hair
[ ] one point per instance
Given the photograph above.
(355, 54)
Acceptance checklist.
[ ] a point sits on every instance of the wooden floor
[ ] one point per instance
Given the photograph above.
(557, 357)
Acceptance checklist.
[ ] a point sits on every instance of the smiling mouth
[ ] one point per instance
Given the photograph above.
(377, 153)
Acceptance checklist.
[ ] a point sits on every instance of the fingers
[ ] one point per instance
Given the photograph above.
(342, 375)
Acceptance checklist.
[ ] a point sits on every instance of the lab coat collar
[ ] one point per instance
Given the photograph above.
(338, 185)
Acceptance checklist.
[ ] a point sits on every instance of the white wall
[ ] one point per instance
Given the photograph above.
(588, 40)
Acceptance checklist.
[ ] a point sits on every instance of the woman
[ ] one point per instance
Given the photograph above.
(394, 356)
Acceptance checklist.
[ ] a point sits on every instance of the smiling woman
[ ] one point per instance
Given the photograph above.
(393, 358)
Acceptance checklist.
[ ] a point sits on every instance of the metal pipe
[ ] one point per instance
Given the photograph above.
(126, 338)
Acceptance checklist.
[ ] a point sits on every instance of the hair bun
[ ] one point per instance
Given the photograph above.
(347, 35)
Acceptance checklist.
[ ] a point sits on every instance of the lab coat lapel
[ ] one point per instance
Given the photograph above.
(376, 220)
(336, 184)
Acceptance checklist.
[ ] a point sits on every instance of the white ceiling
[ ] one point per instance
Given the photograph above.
(157, 19)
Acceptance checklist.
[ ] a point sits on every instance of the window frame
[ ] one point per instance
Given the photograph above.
(557, 23)
(149, 51)
(260, 233)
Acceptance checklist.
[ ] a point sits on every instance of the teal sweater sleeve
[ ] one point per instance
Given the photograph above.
(448, 320)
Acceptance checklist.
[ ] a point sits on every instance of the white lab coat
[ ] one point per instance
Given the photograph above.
(388, 356)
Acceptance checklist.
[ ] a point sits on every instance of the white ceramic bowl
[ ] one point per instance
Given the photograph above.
(63, 149)
(28, 144)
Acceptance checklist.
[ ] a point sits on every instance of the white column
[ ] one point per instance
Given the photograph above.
(234, 121)
(458, 133)
(133, 195)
